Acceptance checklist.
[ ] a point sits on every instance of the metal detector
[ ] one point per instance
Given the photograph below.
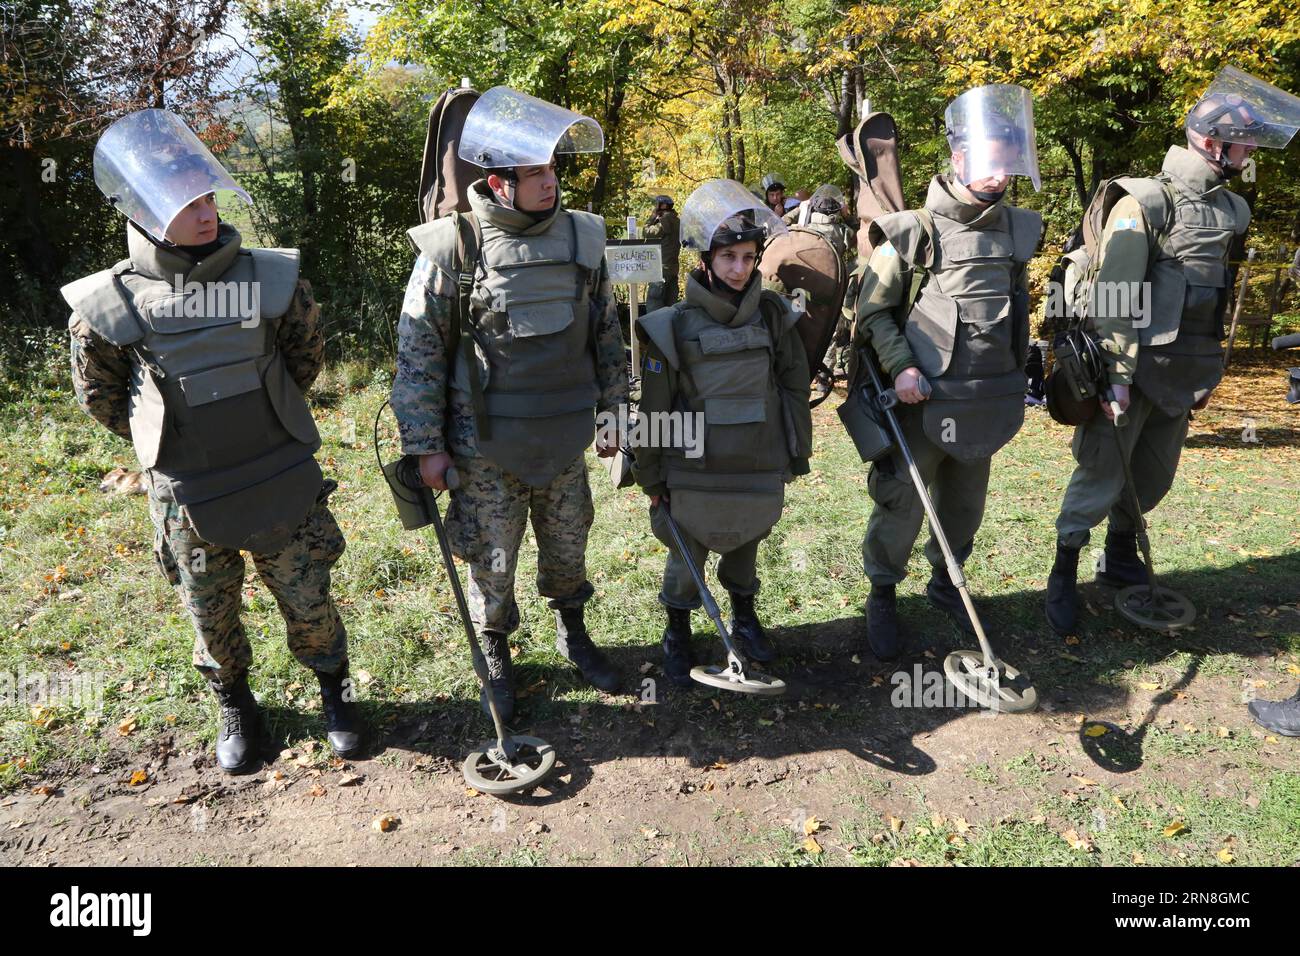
(512, 763)
(735, 674)
(980, 675)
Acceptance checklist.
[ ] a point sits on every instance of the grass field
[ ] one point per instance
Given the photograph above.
(830, 774)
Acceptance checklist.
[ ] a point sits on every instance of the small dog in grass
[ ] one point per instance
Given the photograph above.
(119, 481)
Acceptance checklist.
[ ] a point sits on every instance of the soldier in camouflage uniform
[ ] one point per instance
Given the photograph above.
(240, 474)
(548, 355)
(823, 213)
(667, 228)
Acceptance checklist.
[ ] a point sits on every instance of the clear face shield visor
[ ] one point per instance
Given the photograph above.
(150, 165)
(991, 133)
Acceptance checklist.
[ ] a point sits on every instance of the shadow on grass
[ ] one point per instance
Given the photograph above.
(834, 703)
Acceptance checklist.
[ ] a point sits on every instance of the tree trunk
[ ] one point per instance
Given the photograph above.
(612, 118)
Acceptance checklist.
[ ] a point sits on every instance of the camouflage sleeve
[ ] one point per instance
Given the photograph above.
(658, 388)
(1122, 266)
(419, 395)
(611, 359)
(300, 339)
(880, 293)
(101, 376)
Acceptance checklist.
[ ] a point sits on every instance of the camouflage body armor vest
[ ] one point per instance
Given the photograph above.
(214, 414)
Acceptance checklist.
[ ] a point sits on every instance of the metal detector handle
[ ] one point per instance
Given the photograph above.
(1121, 416)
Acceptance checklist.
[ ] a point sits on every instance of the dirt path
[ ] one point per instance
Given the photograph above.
(680, 782)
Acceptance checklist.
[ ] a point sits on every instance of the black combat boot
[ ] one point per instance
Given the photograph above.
(748, 631)
(943, 594)
(1062, 604)
(342, 722)
(678, 659)
(501, 675)
(1280, 716)
(1121, 566)
(573, 641)
(882, 622)
(237, 743)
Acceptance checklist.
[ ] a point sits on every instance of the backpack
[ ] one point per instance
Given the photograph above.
(1074, 375)
(1072, 277)
(804, 259)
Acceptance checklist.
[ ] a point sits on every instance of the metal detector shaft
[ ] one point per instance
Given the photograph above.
(885, 402)
(710, 605)
(476, 653)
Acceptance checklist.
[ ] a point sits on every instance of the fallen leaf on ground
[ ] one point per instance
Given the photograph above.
(1077, 842)
(385, 823)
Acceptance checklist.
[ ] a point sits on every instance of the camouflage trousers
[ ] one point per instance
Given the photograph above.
(210, 582)
(1153, 443)
(957, 487)
(486, 520)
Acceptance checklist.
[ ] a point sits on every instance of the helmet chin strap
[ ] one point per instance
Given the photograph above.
(1226, 169)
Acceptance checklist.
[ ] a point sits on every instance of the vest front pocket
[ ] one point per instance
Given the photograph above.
(931, 332)
(983, 345)
(734, 411)
(540, 318)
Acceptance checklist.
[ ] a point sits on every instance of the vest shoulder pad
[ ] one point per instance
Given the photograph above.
(97, 300)
(277, 279)
(436, 240)
(1240, 209)
(906, 232)
(590, 229)
(785, 318)
(1026, 232)
(1151, 196)
(657, 326)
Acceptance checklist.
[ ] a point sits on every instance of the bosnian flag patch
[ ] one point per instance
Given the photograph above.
(651, 365)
